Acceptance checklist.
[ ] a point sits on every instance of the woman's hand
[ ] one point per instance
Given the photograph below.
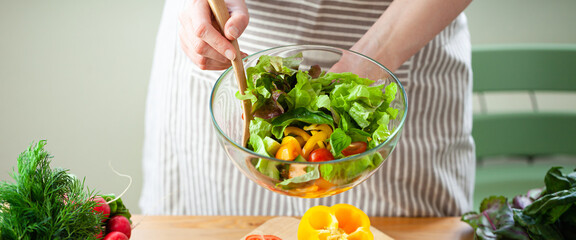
(200, 38)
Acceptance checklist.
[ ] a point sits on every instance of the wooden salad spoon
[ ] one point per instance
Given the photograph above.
(220, 12)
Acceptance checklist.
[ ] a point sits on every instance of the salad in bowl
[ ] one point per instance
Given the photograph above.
(316, 129)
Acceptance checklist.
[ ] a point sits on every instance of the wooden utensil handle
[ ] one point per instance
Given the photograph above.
(221, 15)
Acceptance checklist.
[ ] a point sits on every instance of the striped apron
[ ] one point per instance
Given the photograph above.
(430, 173)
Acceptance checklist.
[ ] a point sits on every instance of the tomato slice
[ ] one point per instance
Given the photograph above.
(262, 237)
(320, 155)
(355, 148)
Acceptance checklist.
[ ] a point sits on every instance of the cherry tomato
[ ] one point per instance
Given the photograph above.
(321, 155)
(262, 237)
(355, 148)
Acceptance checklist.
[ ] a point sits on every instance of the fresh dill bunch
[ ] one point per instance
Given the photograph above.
(45, 203)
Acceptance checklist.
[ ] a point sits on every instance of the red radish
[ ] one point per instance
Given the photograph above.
(119, 223)
(99, 235)
(116, 236)
(102, 207)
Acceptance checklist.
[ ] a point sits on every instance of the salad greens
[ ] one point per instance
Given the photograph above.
(548, 213)
(283, 96)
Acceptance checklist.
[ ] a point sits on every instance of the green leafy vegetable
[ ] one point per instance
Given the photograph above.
(497, 219)
(312, 173)
(266, 167)
(550, 214)
(283, 95)
(345, 172)
(339, 141)
(260, 127)
(45, 203)
(117, 207)
(299, 115)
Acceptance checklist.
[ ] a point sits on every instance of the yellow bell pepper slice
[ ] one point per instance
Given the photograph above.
(296, 131)
(309, 146)
(289, 149)
(339, 222)
(322, 127)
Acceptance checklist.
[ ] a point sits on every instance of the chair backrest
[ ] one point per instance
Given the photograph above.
(541, 67)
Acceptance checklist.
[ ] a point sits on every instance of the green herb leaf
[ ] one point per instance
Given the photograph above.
(45, 203)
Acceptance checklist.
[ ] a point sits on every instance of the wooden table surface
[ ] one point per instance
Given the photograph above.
(235, 227)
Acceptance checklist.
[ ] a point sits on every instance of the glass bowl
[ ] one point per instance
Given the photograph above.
(326, 178)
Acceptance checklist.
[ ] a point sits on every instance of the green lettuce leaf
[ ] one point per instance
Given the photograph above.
(312, 173)
(345, 172)
(299, 115)
(303, 94)
(382, 132)
(260, 127)
(322, 101)
(264, 166)
(339, 141)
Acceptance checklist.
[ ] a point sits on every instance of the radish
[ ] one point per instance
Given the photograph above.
(119, 223)
(99, 235)
(102, 207)
(116, 236)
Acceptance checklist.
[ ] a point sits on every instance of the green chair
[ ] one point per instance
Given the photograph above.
(525, 135)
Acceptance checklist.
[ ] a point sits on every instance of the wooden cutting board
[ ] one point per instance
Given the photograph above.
(286, 228)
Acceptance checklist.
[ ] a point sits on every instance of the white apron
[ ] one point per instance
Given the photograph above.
(430, 173)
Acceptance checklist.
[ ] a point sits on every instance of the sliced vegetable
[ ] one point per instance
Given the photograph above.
(262, 237)
(289, 149)
(314, 140)
(355, 148)
(321, 155)
(319, 127)
(341, 221)
(297, 132)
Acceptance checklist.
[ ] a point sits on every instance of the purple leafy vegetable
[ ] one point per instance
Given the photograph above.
(548, 213)
(495, 220)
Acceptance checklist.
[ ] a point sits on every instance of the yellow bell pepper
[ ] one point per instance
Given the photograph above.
(339, 222)
(322, 127)
(315, 139)
(289, 149)
(296, 131)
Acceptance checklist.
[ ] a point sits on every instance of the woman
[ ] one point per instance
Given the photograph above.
(424, 42)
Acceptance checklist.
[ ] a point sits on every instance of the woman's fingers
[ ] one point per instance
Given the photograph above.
(201, 40)
(238, 19)
(207, 58)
